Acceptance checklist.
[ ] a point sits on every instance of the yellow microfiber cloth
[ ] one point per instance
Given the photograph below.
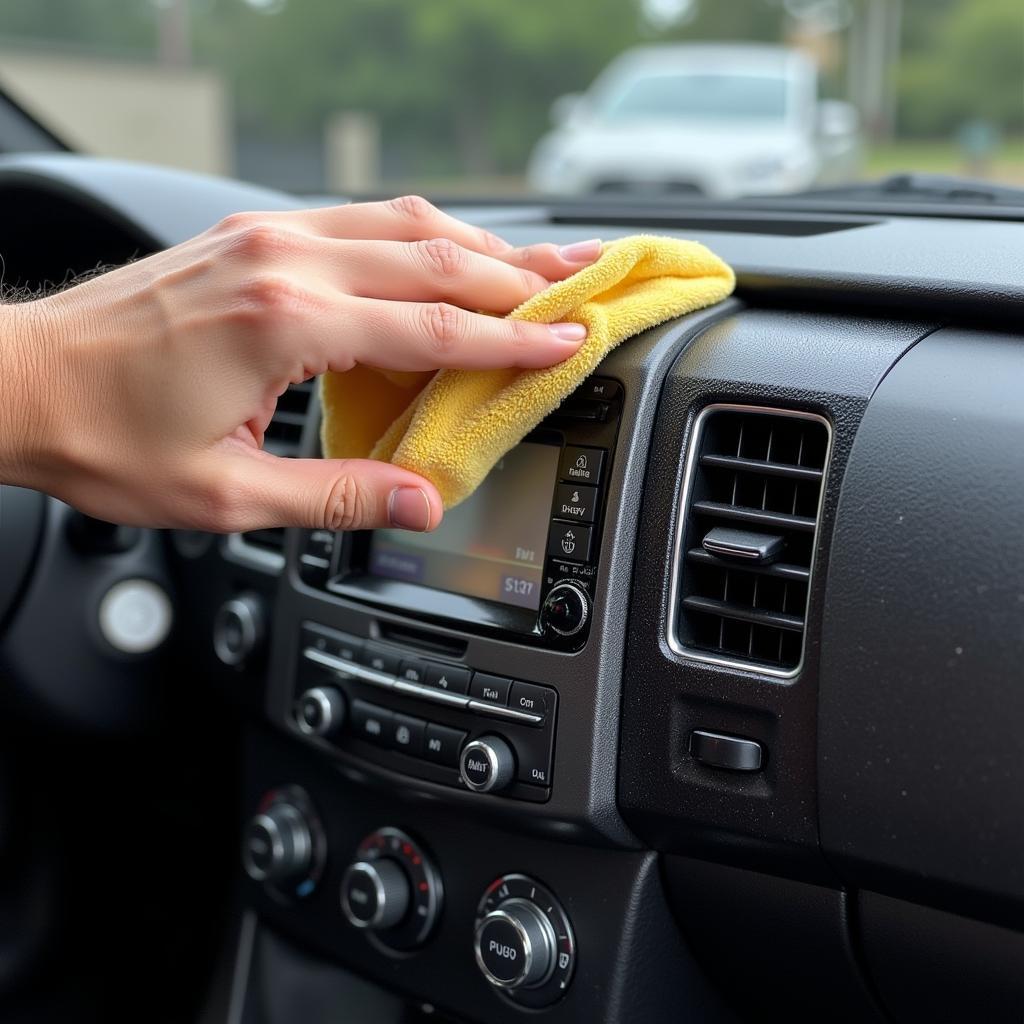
(453, 426)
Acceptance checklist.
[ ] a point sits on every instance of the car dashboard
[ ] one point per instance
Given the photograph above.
(734, 733)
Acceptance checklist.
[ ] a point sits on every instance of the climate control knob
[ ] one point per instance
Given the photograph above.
(515, 945)
(487, 764)
(566, 609)
(278, 845)
(375, 894)
(320, 711)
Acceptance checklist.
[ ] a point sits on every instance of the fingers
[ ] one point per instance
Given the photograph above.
(552, 262)
(437, 268)
(436, 335)
(332, 494)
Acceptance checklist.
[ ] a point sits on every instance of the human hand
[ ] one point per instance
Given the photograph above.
(141, 396)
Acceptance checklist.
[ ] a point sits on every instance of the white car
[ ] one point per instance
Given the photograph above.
(720, 120)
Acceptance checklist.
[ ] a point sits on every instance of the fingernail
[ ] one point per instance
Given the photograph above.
(568, 332)
(581, 252)
(409, 509)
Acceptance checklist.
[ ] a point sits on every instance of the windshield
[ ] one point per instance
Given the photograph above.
(481, 98)
(699, 97)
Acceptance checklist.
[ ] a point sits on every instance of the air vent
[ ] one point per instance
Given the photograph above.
(283, 437)
(751, 504)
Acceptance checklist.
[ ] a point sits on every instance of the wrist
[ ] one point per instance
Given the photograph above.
(29, 343)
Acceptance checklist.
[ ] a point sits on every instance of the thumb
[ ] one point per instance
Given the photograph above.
(337, 494)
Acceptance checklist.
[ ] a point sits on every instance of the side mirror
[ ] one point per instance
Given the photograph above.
(837, 119)
(566, 108)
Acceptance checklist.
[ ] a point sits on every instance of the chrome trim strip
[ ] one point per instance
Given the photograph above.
(497, 711)
(453, 700)
(675, 584)
(243, 966)
(350, 668)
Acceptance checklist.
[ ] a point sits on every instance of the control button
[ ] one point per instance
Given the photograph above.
(493, 689)
(412, 671)
(135, 616)
(719, 750)
(375, 894)
(238, 628)
(582, 465)
(600, 388)
(515, 945)
(320, 711)
(448, 677)
(527, 697)
(406, 734)
(487, 764)
(565, 609)
(569, 542)
(329, 641)
(370, 722)
(315, 560)
(278, 845)
(380, 660)
(572, 502)
(442, 744)
(583, 409)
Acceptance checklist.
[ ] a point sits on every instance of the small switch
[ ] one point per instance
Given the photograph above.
(443, 744)
(380, 660)
(529, 698)
(569, 542)
(719, 750)
(572, 502)
(406, 734)
(493, 689)
(582, 465)
(448, 677)
(412, 671)
(600, 388)
(370, 722)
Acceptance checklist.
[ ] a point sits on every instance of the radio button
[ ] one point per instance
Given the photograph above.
(493, 689)
(572, 502)
(582, 465)
(527, 697)
(412, 671)
(380, 660)
(329, 641)
(448, 677)
(442, 744)
(370, 722)
(406, 734)
(569, 542)
(600, 388)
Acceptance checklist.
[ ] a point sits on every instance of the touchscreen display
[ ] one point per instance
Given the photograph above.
(492, 545)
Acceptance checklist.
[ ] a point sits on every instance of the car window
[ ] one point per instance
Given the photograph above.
(701, 97)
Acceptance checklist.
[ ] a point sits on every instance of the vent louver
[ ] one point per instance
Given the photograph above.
(750, 518)
(283, 437)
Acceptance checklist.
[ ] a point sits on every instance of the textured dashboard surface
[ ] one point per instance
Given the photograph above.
(921, 741)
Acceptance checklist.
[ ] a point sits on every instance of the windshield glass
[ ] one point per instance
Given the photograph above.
(476, 98)
(699, 97)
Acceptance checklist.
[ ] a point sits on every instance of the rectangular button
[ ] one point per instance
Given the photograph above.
(530, 698)
(720, 750)
(582, 465)
(572, 502)
(340, 645)
(443, 744)
(493, 689)
(370, 722)
(569, 542)
(600, 388)
(581, 409)
(407, 734)
(412, 671)
(448, 677)
(533, 757)
(380, 660)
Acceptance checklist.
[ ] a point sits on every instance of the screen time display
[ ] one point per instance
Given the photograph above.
(492, 545)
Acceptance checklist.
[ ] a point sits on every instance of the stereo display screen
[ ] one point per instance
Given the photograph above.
(491, 546)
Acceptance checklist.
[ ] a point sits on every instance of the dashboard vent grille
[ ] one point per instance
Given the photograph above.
(283, 437)
(752, 502)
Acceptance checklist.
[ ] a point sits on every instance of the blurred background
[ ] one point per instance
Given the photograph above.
(501, 97)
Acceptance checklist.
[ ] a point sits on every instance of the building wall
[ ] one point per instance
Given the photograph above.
(179, 117)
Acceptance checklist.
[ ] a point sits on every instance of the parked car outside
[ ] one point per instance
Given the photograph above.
(721, 120)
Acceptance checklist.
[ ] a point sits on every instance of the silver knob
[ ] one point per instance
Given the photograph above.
(566, 609)
(238, 628)
(515, 945)
(278, 845)
(320, 711)
(374, 894)
(487, 764)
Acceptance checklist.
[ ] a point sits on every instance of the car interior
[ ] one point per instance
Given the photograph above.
(706, 706)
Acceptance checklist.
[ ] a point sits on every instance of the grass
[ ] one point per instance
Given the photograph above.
(942, 157)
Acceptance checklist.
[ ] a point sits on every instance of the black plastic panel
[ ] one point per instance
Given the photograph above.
(921, 744)
(828, 366)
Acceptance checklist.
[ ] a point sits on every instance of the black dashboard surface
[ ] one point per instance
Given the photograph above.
(884, 835)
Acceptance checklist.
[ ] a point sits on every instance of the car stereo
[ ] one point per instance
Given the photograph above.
(517, 559)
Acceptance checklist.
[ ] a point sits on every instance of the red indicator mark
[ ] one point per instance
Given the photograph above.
(406, 849)
(416, 860)
(424, 887)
